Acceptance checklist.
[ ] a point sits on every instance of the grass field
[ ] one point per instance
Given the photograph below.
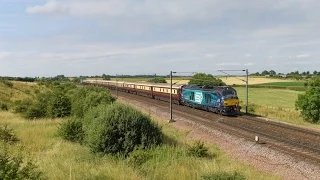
(59, 159)
(277, 104)
(286, 84)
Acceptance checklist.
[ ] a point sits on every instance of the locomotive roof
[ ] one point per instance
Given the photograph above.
(167, 85)
(207, 88)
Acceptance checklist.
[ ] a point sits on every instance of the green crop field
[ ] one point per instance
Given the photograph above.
(279, 98)
(286, 84)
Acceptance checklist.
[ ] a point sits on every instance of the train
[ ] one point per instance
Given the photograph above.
(217, 99)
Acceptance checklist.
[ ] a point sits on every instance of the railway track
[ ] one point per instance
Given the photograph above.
(298, 142)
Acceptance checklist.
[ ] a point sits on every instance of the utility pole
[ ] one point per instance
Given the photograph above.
(117, 84)
(247, 93)
(170, 97)
(246, 81)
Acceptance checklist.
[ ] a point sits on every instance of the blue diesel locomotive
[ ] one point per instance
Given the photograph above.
(218, 99)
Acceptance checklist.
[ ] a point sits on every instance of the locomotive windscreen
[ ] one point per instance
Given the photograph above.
(229, 93)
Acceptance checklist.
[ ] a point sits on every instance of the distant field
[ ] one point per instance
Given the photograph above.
(251, 80)
(227, 80)
(286, 84)
(279, 98)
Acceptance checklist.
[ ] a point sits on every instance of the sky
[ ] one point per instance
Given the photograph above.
(92, 37)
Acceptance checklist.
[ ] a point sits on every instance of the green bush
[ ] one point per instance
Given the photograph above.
(59, 105)
(198, 150)
(84, 98)
(16, 168)
(3, 107)
(7, 135)
(21, 106)
(309, 105)
(119, 128)
(223, 176)
(138, 157)
(71, 130)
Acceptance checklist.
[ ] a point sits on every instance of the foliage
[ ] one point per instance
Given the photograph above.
(309, 104)
(3, 107)
(7, 83)
(223, 176)
(157, 80)
(198, 150)
(71, 130)
(15, 168)
(119, 128)
(59, 105)
(7, 135)
(21, 106)
(84, 98)
(206, 80)
(138, 157)
(314, 82)
(105, 77)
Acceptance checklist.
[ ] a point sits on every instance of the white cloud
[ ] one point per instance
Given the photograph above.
(229, 64)
(210, 55)
(303, 56)
(248, 55)
(270, 57)
(51, 7)
(4, 55)
(249, 64)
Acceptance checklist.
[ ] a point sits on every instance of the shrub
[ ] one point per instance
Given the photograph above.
(119, 128)
(16, 168)
(309, 105)
(59, 105)
(71, 130)
(198, 150)
(3, 107)
(7, 135)
(84, 98)
(21, 106)
(138, 157)
(223, 176)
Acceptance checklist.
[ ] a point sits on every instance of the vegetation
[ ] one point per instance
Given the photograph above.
(309, 103)
(16, 168)
(223, 176)
(206, 80)
(118, 128)
(158, 80)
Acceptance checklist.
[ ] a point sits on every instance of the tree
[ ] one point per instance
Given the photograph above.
(309, 103)
(206, 80)
(272, 72)
(315, 72)
(265, 72)
(105, 77)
